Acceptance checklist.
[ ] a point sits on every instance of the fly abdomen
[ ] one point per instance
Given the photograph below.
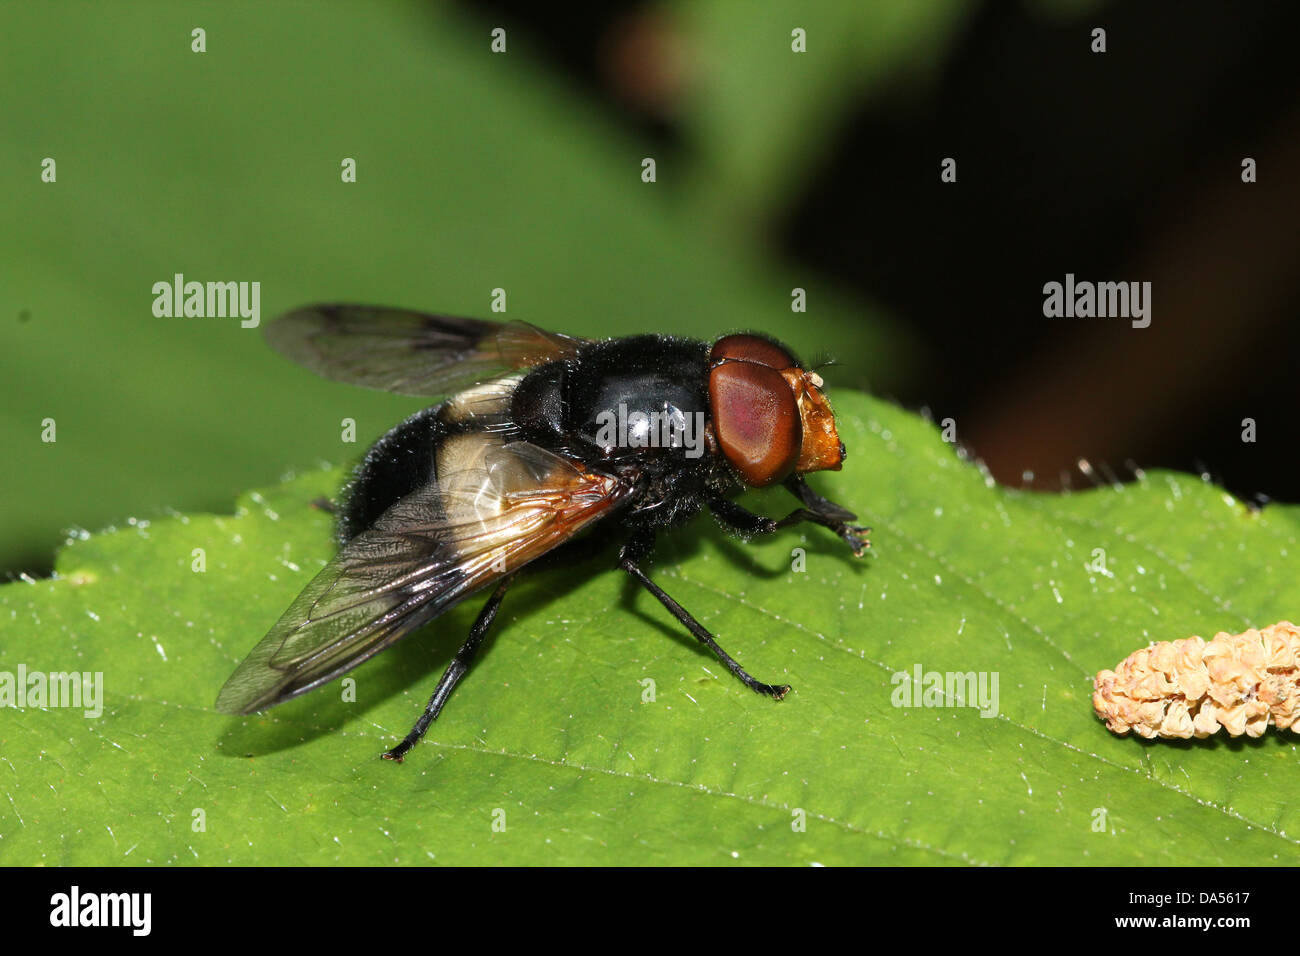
(395, 466)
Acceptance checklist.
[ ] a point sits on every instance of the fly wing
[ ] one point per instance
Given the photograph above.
(411, 353)
(504, 506)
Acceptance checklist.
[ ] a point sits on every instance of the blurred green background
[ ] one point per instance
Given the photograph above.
(475, 171)
(522, 170)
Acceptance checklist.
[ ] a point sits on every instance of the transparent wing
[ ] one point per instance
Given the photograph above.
(507, 505)
(411, 353)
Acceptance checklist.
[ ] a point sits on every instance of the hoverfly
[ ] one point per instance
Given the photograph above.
(520, 460)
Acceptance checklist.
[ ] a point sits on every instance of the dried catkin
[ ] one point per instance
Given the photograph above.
(1191, 688)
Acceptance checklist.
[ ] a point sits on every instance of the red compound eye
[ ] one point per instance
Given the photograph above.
(750, 348)
(755, 418)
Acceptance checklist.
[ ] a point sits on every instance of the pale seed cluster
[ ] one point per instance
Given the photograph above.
(1191, 688)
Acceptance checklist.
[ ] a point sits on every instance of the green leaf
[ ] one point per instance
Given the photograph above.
(550, 728)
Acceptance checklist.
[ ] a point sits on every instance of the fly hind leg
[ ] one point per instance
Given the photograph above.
(452, 675)
(636, 551)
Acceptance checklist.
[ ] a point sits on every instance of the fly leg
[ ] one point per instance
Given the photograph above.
(748, 524)
(798, 486)
(452, 675)
(630, 558)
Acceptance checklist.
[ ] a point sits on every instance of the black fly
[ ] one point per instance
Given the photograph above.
(543, 438)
